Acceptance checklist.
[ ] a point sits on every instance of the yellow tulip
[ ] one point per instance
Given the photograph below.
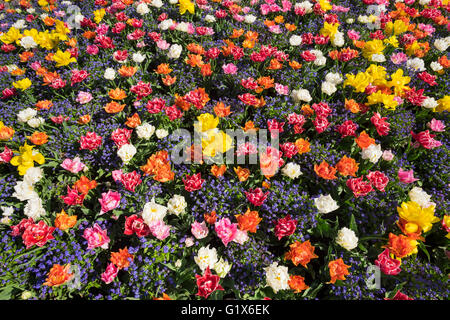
(11, 36)
(186, 5)
(26, 159)
(63, 58)
(206, 121)
(372, 47)
(99, 14)
(23, 84)
(416, 216)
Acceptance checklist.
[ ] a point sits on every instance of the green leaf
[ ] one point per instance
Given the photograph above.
(315, 291)
(353, 224)
(424, 249)
(6, 292)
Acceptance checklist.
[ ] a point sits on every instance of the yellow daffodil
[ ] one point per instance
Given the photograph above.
(186, 5)
(99, 14)
(32, 33)
(417, 217)
(11, 36)
(61, 28)
(26, 159)
(23, 84)
(63, 58)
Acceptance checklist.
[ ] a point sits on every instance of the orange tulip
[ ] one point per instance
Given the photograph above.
(158, 166)
(295, 65)
(279, 19)
(195, 48)
(325, 171)
(338, 270)
(218, 171)
(205, 70)
(63, 221)
(300, 253)
(274, 65)
(221, 111)
(44, 104)
(194, 60)
(127, 72)
(58, 275)
(401, 246)
(302, 146)
(251, 36)
(6, 133)
(307, 110)
(83, 185)
(117, 94)
(364, 140)
(248, 221)
(113, 107)
(266, 82)
(168, 80)
(89, 34)
(242, 173)
(347, 166)
(84, 119)
(352, 106)
(290, 27)
(210, 217)
(181, 103)
(25, 56)
(297, 283)
(133, 121)
(39, 138)
(121, 258)
(164, 297)
(163, 68)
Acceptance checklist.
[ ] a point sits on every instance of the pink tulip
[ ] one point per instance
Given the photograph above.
(284, 90)
(110, 273)
(84, 97)
(229, 68)
(399, 58)
(436, 125)
(74, 165)
(199, 230)
(109, 201)
(387, 155)
(160, 230)
(353, 34)
(117, 175)
(226, 230)
(96, 237)
(406, 176)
